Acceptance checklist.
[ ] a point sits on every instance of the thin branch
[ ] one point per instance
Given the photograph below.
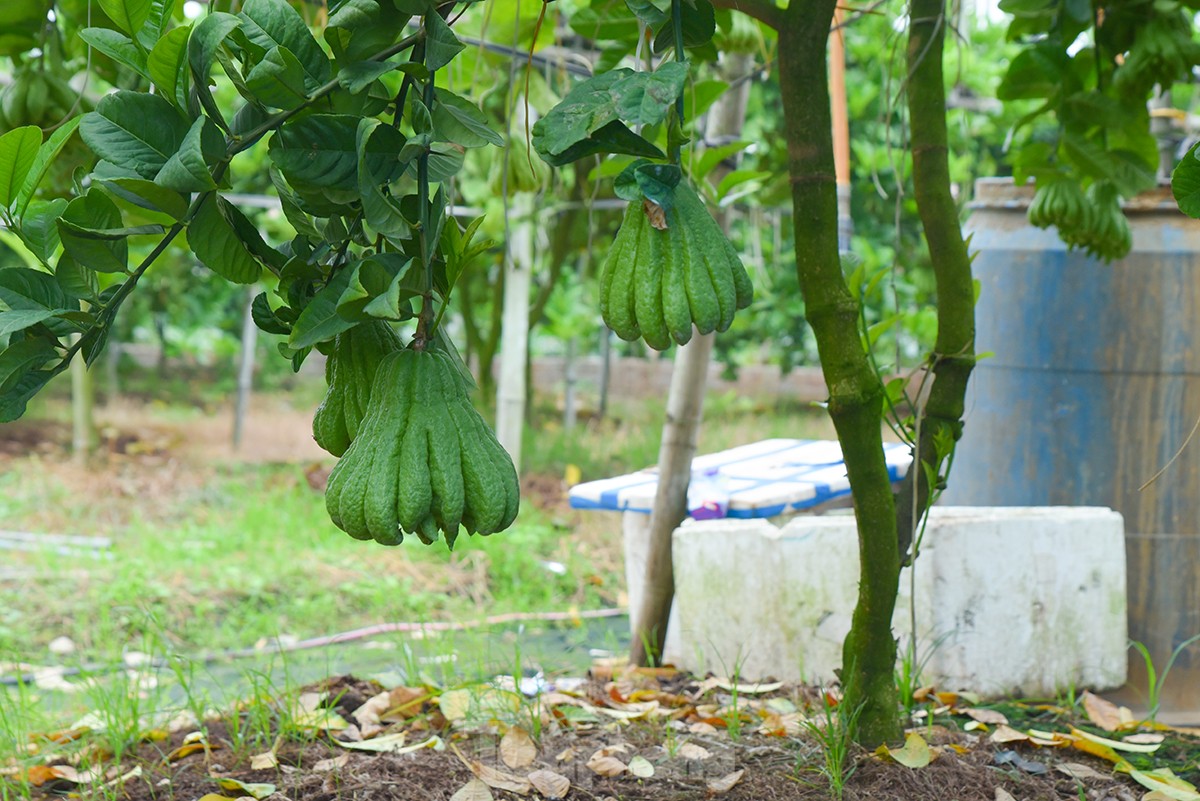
(764, 11)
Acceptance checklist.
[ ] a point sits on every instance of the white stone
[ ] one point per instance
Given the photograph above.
(1025, 601)
(62, 646)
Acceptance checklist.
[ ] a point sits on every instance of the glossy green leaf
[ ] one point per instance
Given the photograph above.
(92, 212)
(1185, 183)
(157, 23)
(76, 280)
(18, 151)
(320, 320)
(129, 15)
(23, 288)
(379, 210)
(118, 47)
(595, 115)
(41, 163)
(216, 244)
(1037, 73)
(458, 120)
(20, 319)
(265, 318)
(134, 130)
(274, 23)
(39, 227)
(251, 237)
(148, 195)
(371, 279)
(188, 169)
(206, 39)
(441, 45)
(14, 400)
(278, 80)
(168, 66)
(319, 151)
(360, 75)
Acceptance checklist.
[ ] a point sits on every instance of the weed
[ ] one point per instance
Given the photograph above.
(834, 732)
(1154, 682)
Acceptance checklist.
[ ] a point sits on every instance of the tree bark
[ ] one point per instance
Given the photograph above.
(940, 419)
(685, 407)
(855, 392)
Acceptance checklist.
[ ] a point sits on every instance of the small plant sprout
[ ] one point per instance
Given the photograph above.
(1154, 681)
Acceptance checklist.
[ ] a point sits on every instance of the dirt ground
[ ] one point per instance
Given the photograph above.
(473, 763)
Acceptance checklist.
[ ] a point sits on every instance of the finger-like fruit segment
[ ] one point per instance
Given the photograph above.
(350, 373)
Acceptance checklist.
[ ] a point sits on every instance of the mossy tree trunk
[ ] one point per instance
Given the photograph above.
(954, 352)
(855, 393)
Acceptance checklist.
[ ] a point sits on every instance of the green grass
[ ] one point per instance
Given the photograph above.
(252, 554)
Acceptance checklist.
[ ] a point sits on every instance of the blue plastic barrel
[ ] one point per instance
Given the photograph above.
(1093, 386)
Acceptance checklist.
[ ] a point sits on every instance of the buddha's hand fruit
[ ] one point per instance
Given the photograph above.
(350, 372)
(423, 460)
(670, 270)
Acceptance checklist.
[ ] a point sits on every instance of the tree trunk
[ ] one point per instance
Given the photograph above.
(856, 394)
(245, 381)
(510, 394)
(685, 407)
(940, 420)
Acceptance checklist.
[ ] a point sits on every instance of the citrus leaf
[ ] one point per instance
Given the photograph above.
(134, 130)
(118, 47)
(41, 163)
(274, 23)
(278, 80)
(218, 246)
(129, 15)
(18, 151)
(168, 65)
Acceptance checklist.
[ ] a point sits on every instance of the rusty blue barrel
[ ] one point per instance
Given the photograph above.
(1092, 387)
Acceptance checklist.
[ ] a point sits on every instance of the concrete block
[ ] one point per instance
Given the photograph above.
(1008, 601)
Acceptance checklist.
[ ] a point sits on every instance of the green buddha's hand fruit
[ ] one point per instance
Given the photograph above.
(671, 271)
(423, 461)
(350, 371)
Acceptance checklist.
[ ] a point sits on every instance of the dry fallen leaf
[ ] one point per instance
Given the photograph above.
(474, 790)
(1007, 734)
(567, 754)
(1102, 712)
(264, 761)
(1145, 738)
(725, 783)
(701, 727)
(1166, 783)
(499, 779)
(605, 765)
(1003, 795)
(988, 716)
(333, 763)
(517, 748)
(550, 784)
(639, 766)
(1077, 770)
(693, 751)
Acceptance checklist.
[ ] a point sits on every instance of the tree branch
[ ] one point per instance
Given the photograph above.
(764, 11)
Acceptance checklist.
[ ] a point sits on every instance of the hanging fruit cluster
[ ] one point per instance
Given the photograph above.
(422, 461)
(1092, 221)
(671, 270)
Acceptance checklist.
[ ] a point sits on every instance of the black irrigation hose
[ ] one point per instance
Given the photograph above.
(326, 641)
